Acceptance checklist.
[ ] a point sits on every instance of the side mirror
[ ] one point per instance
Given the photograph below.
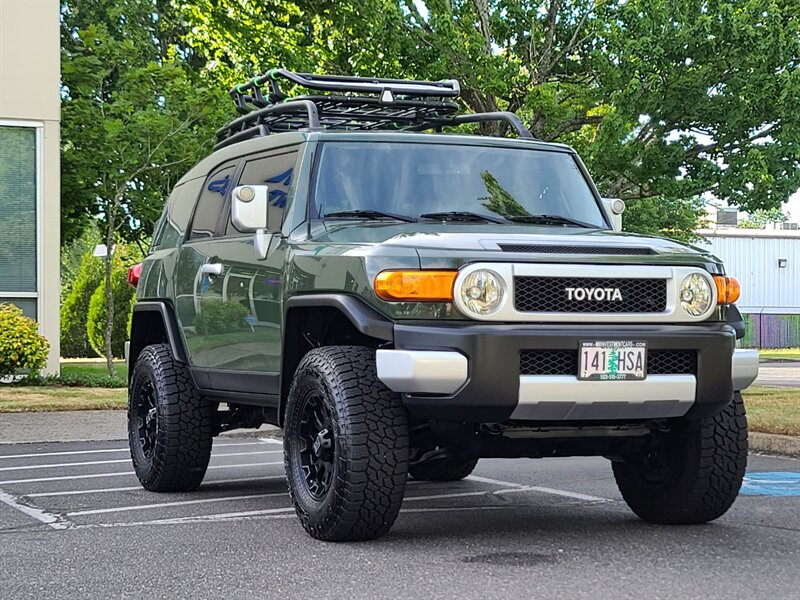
(615, 207)
(249, 207)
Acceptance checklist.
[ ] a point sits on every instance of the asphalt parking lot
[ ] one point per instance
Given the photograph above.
(74, 523)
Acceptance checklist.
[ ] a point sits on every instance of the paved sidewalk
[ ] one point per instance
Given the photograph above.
(82, 425)
(783, 374)
(66, 426)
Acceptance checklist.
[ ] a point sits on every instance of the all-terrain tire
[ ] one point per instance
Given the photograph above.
(359, 493)
(451, 468)
(173, 454)
(702, 475)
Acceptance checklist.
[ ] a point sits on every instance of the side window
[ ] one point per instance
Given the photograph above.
(174, 220)
(211, 202)
(276, 171)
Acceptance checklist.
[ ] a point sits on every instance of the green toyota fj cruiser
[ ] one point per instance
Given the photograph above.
(406, 303)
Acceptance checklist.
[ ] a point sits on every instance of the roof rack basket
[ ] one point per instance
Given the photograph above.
(347, 104)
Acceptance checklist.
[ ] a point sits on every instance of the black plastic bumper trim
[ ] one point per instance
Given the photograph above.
(492, 390)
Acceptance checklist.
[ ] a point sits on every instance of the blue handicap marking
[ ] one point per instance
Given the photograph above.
(771, 483)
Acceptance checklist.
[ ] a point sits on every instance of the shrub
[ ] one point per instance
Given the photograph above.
(74, 310)
(123, 304)
(221, 317)
(21, 346)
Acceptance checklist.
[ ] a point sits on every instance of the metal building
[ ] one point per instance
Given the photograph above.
(767, 264)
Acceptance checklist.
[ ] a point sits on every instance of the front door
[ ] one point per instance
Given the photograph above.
(241, 307)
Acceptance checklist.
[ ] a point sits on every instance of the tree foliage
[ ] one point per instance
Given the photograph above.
(75, 307)
(759, 219)
(97, 315)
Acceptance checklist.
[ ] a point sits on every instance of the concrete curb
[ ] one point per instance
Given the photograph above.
(785, 446)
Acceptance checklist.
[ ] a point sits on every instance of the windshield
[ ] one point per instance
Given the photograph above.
(413, 179)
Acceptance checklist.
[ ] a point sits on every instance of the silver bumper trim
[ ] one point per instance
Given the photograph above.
(744, 369)
(565, 397)
(421, 372)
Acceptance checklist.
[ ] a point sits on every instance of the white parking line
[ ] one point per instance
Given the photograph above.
(106, 450)
(59, 465)
(134, 488)
(117, 461)
(440, 496)
(535, 488)
(118, 509)
(96, 475)
(235, 516)
(15, 502)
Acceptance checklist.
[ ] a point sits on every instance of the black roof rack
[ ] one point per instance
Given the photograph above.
(348, 104)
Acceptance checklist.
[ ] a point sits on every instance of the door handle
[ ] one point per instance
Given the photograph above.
(214, 269)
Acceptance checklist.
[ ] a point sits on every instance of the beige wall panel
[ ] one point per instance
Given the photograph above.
(30, 57)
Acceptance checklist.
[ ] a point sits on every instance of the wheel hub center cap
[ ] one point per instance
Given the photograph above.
(322, 443)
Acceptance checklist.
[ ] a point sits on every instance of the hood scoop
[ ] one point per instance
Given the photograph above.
(576, 249)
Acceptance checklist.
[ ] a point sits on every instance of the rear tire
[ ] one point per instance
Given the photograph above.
(345, 446)
(170, 426)
(692, 475)
(451, 468)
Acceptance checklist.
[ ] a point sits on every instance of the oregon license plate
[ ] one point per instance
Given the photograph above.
(613, 361)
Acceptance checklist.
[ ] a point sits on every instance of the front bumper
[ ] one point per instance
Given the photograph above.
(472, 373)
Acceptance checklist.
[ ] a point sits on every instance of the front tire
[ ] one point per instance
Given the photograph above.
(691, 476)
(170, 426)
(345, 446)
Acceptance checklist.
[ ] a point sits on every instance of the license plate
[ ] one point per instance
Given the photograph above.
(613, 361)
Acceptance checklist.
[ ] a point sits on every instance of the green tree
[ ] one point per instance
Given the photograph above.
(135, 117)
(75, 306)
(97, 315)
(759, 219)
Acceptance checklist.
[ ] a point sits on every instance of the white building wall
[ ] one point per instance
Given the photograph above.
(752, 257)
(30, 78)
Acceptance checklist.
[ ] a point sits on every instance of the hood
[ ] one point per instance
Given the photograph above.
(438, 243)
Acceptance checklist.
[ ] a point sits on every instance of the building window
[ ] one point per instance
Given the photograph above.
(18, 232)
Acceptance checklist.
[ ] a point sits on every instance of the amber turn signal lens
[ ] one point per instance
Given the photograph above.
(415, 286)
(728, 289)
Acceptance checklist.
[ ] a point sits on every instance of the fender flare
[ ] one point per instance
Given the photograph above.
(364, 318)
(143, 332)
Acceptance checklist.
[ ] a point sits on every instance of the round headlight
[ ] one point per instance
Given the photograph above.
(695, 295)
(482, 292)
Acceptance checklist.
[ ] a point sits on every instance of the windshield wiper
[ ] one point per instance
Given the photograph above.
(368, 214)
(550, 219)
(462, 215)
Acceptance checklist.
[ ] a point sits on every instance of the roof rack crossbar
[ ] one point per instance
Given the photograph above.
(505, 116)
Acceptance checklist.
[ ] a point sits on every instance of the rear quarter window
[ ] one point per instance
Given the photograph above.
(171, 227)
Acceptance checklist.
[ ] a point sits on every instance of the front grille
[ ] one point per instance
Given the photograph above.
(672, 362)
(549, 294)
(543, 249)
(565, 362)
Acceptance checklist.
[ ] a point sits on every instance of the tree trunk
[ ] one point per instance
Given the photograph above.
(112, 371)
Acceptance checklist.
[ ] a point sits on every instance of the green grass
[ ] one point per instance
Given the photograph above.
(773, 410)
(779, 354)
(14, 399)
(92, 368)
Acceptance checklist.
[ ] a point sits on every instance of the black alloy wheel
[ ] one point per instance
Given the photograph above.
(317, 448)
(147, 413)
